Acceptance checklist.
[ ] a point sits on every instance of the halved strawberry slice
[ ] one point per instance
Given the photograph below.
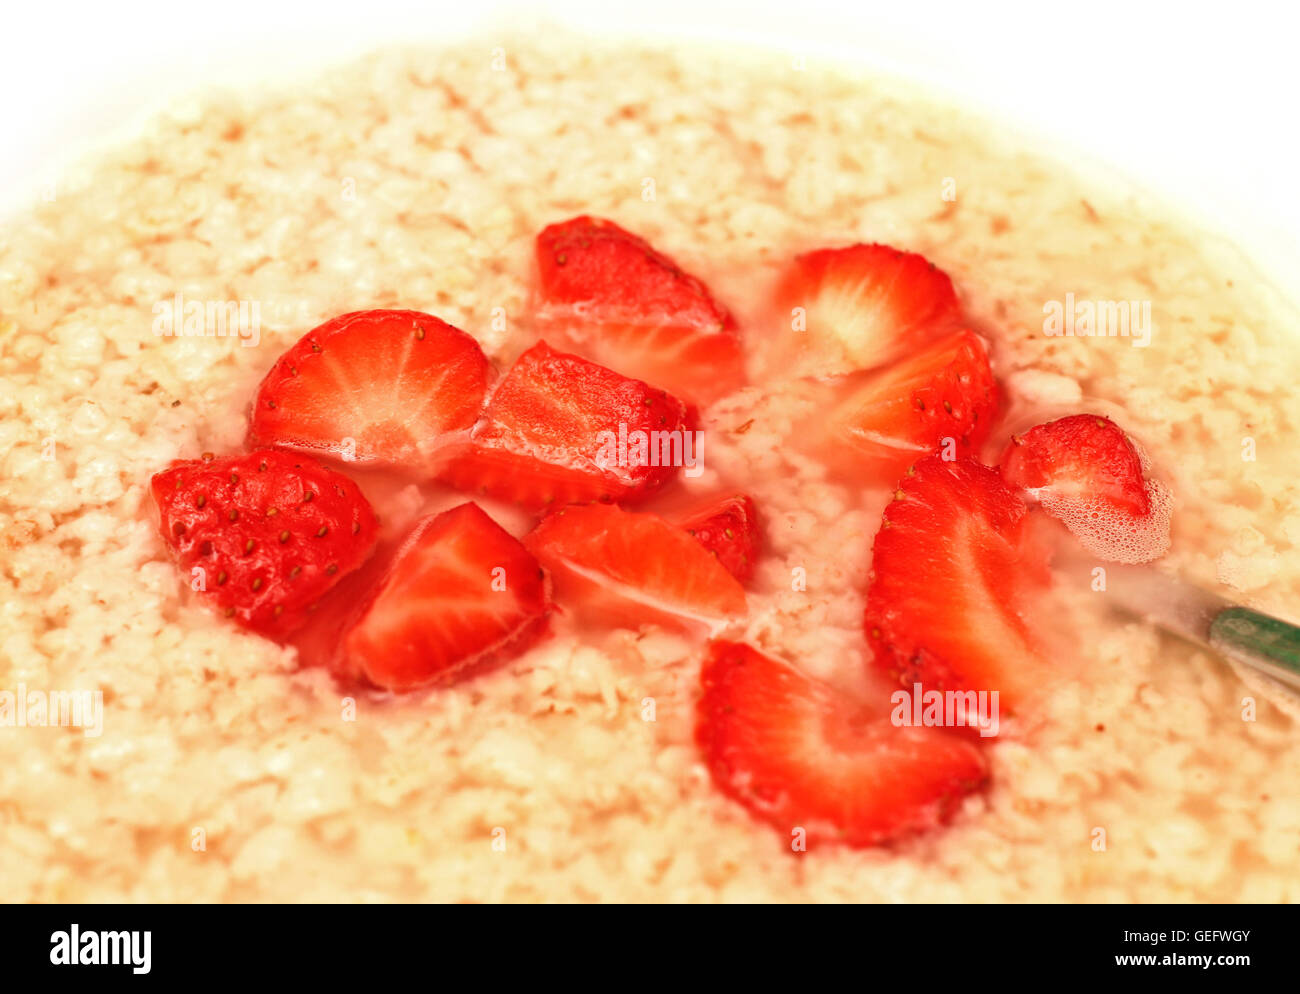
(727, 527)
(606, 294)
(1086, 471)
(955, 569)
(1078, 457)
(943, 397)
(846, 309)
(798, 755)
(461, 594)
(372, 387)
(263, 536)
(560, 429)
(615, 567)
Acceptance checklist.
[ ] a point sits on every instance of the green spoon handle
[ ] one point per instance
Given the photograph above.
(1266, 643)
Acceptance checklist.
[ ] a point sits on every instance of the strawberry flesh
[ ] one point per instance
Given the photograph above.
(614, 567)
(955, 567)
(608, 295)
(378, 387)
(854, 308)
(1080, 457)
(943, 397)
(265, 535)
(799, 755)
(460, 595)
(560, 429)
(728, 527)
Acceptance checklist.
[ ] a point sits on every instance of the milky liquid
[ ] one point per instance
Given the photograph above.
(1109, 532)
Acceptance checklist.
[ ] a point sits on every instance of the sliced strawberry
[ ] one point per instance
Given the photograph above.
(560, 429)
(263, 536)
(1081, 457)
(798, 755)
(461, 594)
(1087, 472)
(607, 295)
(954, 572)
(853, 308)
(942, 398)
(727, 527)
(372, 387)
(617, 567)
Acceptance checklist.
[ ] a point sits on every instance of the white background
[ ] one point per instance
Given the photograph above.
(1197, 104)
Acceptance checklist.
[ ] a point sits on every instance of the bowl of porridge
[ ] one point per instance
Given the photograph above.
(530, 471)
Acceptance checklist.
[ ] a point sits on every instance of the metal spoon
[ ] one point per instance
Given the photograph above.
(1268, 645)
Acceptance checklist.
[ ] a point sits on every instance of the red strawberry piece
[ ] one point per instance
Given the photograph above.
(372, 387)
(797, 754)
(616, 567)
(955, 569)
(607, 295)
(727, 527)
(263, 536)
(855, 308)
(460, 595)
(941, 398)
(1086, 471)
(561, 429)
(1081, 457)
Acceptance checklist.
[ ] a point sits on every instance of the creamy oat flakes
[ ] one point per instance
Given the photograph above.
(419, 179)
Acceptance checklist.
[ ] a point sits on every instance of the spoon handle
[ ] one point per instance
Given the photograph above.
(1258, 640)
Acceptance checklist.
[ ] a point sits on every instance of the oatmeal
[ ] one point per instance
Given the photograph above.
(225, 770)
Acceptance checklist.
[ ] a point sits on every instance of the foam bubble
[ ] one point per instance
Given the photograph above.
(1111, 534)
